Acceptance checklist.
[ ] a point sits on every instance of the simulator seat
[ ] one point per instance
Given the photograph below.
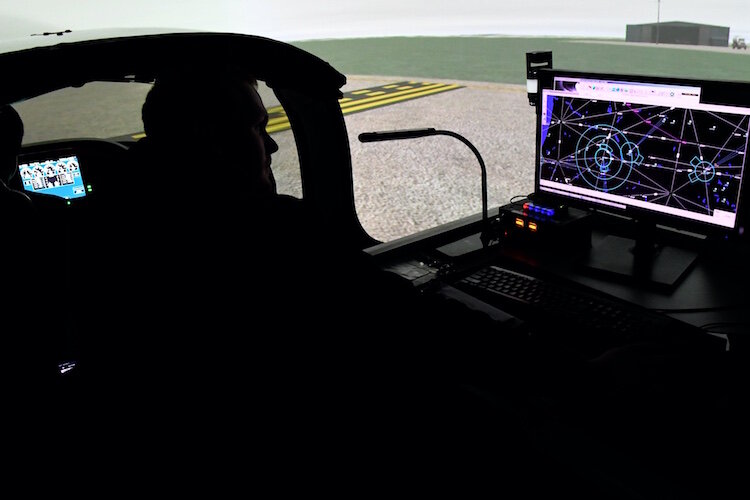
(11, 135)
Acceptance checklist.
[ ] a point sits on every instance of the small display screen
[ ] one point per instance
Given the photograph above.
(54, 174)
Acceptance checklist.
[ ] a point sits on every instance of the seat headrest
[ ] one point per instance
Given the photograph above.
(11, 136)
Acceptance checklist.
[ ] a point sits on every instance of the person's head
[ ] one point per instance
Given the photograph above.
(214, 118)
(11, 136)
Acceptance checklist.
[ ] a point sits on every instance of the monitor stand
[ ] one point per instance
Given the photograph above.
(641, 260)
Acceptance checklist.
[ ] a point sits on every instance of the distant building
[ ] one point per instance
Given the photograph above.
(678, 32)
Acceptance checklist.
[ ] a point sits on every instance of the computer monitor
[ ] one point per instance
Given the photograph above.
(667, 152)
(55, 172)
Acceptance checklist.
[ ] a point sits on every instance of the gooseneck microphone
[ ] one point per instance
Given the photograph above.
(426, 132)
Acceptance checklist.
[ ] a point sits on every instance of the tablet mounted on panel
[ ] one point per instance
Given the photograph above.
(666, 152)
(55, 173)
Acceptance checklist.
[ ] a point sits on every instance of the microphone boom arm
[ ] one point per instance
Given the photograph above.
(426, 132)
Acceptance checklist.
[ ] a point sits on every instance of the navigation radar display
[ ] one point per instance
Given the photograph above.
(680, 158)
(605, 158)
(56, 176)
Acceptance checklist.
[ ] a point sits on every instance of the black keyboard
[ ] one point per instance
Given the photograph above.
(577, 317)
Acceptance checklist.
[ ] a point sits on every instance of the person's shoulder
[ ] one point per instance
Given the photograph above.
(287, 203)
(278, 211)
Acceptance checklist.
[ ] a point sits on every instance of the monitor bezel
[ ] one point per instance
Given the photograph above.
(720, 92)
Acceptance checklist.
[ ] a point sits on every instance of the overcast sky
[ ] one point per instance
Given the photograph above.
(291, 20)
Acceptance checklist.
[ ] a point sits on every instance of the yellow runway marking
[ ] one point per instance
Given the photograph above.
(279, 119)
(394, 100)
(409, 92)
(278, 128)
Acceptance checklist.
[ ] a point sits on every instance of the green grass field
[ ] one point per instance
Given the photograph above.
(503, 59)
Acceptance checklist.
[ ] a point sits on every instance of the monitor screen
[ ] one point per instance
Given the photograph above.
(56, 173)
(642, 146)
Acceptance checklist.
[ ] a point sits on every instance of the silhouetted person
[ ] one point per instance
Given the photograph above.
(233, 285)
(213, 206)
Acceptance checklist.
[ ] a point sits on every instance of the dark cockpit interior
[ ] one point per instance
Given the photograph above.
(483, 354)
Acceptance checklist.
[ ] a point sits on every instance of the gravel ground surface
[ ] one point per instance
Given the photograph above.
(402, 187)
